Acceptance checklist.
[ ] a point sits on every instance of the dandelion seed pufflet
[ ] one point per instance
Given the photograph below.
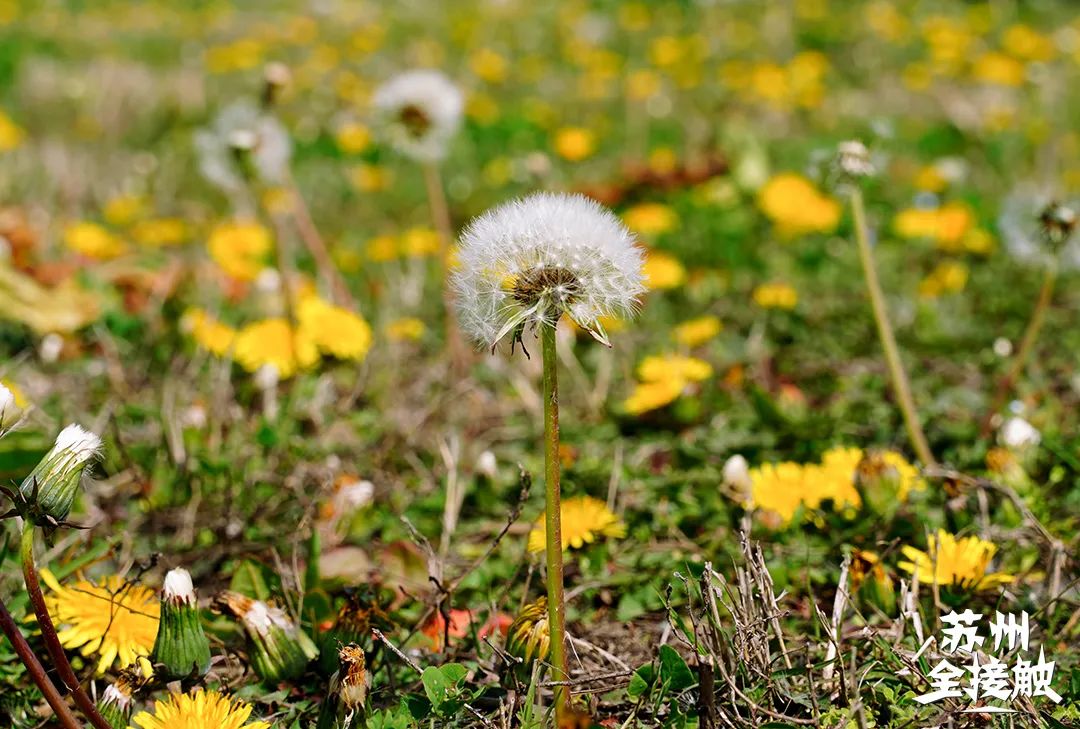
(531, 260)
(419, 112)
(522, 266)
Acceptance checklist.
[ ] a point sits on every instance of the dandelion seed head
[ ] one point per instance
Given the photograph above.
(243, 127)
(529, 261)
(1038, 229)
(419, 111)
(77, 444)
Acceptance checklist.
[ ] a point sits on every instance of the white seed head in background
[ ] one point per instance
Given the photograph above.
(1038, 230)
(243, 126)
(528, 261)
(1019, 433)
(419, 112)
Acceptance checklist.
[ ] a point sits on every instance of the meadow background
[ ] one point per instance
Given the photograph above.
(375, 482)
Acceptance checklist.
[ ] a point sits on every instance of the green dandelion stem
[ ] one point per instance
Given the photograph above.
(553, 518)
(1031, 334)
(48, 633)
(885, 333)
(36, 670)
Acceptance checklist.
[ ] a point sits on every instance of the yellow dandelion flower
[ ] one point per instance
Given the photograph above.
(240, 248)
(489, 65)
(777, 488)
(648, 396)
(952, 560)
(574, 143)
(946, 225)
(198, 710)
(334, 330)
(208, 332)
(352, 138)
(160, 232)
(20, 399)
(112, 618)
(1028, 44)
(697, 331)
(382, 248)
(273, 342)
(673, 366)
(948, 277)
(650, 218)
(420, 242)
(796, 207)
(663, 271)
(998, 69)
(369, 177)
(776, 295)
(407, 329)
(11, 135)
(92, 241)
(584, 520)
(910, 478)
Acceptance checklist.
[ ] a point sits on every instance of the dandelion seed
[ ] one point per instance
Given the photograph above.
(419, 112)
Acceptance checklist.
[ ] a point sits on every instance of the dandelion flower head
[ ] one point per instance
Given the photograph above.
(419, 112)
(951, 560)
(198, 710)
(529, 261)
(584, 520)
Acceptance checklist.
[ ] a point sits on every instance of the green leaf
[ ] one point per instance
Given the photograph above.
(641, 681)
(443, 686)
(674, 672)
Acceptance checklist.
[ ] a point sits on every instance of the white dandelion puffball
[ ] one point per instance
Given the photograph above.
(1038, 230)
(419, 112)
(528, 261)
(241, 128)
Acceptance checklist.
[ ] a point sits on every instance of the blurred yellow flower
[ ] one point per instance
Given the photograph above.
(796, 207)
(407, 329)
(693, 332)
(642, 84)
(240, 55)
(208, 332)
(274, 342)
(199, 710)
(1027, 44)
(930, 179)
(886, 21)
(11, 135)
(489, 65)
(419, 242)
(584, 520)
(352, 138)
(368, 177)
(650, 218)
(662, 271)
(673, 366)
(92, 241)
(382, 248)
(999, 69)
(952, 560)
(649, 396)
(946, 225)
(334, 330)
(948, 277)
(574, 143)
(240, 249)
(159, 232)
(775, 295)
(123, 209)
(112, 618)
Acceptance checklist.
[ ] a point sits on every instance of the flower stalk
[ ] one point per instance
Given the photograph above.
(901, 388)
(48, 633)
(553, 518)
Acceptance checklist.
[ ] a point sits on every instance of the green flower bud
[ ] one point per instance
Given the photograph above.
(52, 485)
(181, 649)
(528, 637)
(871, 582)
(115, 704)
(277, 647)
(879, 483)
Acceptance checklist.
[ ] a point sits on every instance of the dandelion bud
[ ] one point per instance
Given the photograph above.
(879, 483)
(486, 465)
(181, 645)
(52, 485)
(737, 474)
(419, 112)
(528, 637)
(10, 412)
(529, 261)
(1019, 433)
(853, 160)
(277, 76)
(277, 647)
(871, 582)
(115, 704)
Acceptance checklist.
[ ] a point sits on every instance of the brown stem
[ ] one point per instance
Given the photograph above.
(36, 670)
(440, 216)
(309, 233)
(48, 633)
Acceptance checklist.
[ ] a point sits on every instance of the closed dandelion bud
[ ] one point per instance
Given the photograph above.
(348, 690)
(181, 647)
(871, 582)
(853, 160)
(115, 704)
(52, 485)
(277, 647)
(528, 637)
(879, 483)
